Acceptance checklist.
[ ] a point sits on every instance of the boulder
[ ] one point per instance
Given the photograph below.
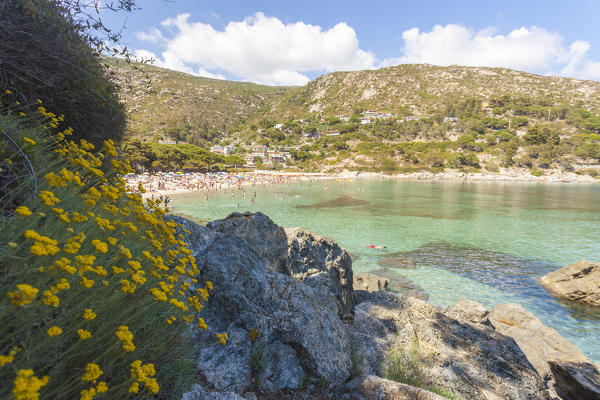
(468, 311)
(200, 393)
(299, 324)
(267, 238)
(369, 282)
(371, 387)
(578, 282)
(320, 263)
(471, 361)
(576, 381)
(282, 369)
(539, 342)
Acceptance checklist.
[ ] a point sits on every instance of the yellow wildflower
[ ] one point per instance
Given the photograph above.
(83, 334)
(28, 141)
(222, 337)
(24, 211)
(111, 240)
(126, 337)
(48, 198)
(54, 331)
(89, 314)
(100, 246)
(92, 372)
(10, 357)
(27, 385)
(50, 299)
(24, 294)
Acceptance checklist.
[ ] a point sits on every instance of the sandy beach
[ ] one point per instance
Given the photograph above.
(166, 184)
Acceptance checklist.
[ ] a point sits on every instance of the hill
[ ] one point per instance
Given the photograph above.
(401, 118)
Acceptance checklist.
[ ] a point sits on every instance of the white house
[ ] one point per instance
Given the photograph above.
(229, 149)
(259, 148)
(167, 141)
(217, 149)
(333, 133)
(364, 121)
(450, 119)
(278, 126)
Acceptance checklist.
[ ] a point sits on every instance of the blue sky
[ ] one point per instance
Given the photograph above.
(287, 43)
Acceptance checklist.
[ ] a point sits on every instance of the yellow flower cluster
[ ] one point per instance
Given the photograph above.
(88, 314)
(10, 357)
(24, 294)
(54, 331)
(222, 338)
(126, 337)
(43, 245)
(24, 211)
(27, 386)
(143, 374)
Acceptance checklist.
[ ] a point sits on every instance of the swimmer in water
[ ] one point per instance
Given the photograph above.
(372, 246)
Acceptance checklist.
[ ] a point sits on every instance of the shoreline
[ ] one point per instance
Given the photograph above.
(180, 184)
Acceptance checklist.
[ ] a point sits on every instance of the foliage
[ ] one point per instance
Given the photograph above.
(45, 52)
(99, 288)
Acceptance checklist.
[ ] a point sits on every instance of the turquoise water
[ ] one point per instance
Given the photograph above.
(488, 242)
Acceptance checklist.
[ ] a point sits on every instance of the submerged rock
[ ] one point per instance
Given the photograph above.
(321, 263)
(578, 282)
(369, 282)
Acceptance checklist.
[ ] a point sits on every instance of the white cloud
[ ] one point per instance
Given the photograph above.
(266, 50)
(263, 49)
(174, 64)
(531, 49)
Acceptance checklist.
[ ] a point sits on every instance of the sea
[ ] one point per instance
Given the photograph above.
(484, 241)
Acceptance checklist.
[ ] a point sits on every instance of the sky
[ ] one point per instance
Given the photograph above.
(292, 42)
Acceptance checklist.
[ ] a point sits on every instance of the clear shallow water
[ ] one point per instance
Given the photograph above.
(488, 242)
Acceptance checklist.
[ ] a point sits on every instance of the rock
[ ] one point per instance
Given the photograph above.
(267, 238)
(282, 370)
(248, 295)
(227, 367)
(399, 283)
(576, 381)
(578, 282)
(468, 311)
(471, 361)
(369, 282)
(200, 393)
(371, 387)
(320, 263)
(539, 342)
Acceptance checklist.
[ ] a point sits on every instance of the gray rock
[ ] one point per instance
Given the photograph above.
(370, 282)
(247, 294)
(267, 238)
(200, 393)
(470, 361)
(539, 342)
(578, 282)
(468, 311)
(371, 387)
(227, 367)
(576, 381)
(282, 370)
(320, 263)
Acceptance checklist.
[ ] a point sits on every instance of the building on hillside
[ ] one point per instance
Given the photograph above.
(411, 118)
(450, 119)
(259, 148)
(167, 141)
(333, 133)
(278, 156)
(371, 113)
(364, 121)
(278, 126)
(229, 149)
(384, 115)
(252, 158)
(343, 118)
(312, 135)
(521, 133)
(217, 149)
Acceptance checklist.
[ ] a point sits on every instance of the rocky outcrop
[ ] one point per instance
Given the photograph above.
(371, 387)
(200, 393)
(261, 233)
(470, 361)
(320, 263)
(578, 282)
(298, 325)
(369, 282)
(539, 342)
(468, 311)
(576, 381)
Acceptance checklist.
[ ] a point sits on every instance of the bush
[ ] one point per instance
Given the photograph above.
(50, 59)
(99, 285)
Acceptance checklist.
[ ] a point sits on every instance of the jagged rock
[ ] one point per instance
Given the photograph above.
(578, 282)
(320, 263)
(370, 282)
(227, 368)
(468, 311)
(247, 294)
(539, 342)
(267, 238)
(470, 361)
(282, 370)
(200, 393)
(371, 387)
(576, 381)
